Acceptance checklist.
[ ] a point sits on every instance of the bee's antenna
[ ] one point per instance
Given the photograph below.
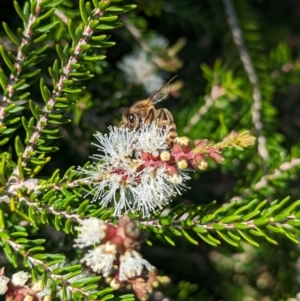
(171, 79)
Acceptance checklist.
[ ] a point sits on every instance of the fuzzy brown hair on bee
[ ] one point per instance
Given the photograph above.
(143, 111)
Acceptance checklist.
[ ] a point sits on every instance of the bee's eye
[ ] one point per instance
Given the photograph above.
(131, 118)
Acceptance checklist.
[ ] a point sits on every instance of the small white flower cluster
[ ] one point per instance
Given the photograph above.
(140, 69)
(3, 284)
(118, 178)
(101, 259)
(20, 278)
(91, 232)
(105, 258)
(132, 265)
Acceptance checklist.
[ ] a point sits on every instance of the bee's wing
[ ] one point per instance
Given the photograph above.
(162, 93)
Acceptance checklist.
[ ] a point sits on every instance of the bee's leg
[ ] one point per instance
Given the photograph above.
(123, 124)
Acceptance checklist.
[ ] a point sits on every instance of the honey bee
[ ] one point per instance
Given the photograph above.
(143, 111)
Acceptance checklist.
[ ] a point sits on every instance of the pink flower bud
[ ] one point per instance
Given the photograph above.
(171, 170)
(146, 156)
(111, 231)
(184, 144)
(176, 149)
(155, 156)
(216, 157)
(200, 145)
(200, 162)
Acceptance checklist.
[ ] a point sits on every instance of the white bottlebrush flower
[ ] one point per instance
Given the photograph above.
(156, 189)
(140, 69)
(116, 146)
(132, 265)
(91, 231)
(120, 176)
(101, 259)
(3, 284)
(20, 278)
(151, 138)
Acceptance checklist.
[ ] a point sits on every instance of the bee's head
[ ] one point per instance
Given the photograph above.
(130, 120)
